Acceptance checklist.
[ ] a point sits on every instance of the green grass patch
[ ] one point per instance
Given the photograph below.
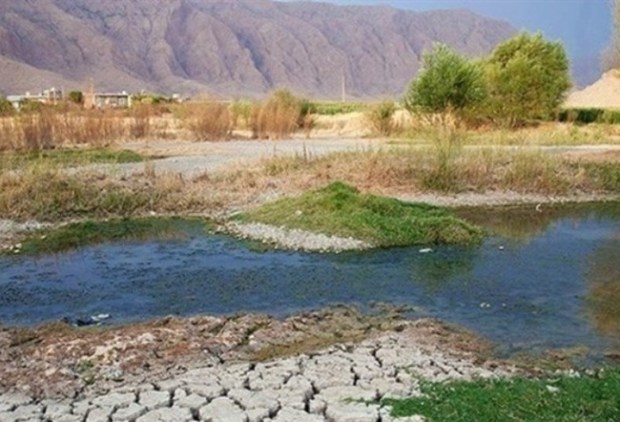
(90, 232)
(341, 210)
(70, 157)
(334, 108)
(560, 399)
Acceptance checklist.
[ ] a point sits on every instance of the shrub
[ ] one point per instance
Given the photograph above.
(528, 78)
(278, 117)
(209, 121)
(6, 108)
(380, 118)
(140, 122)
(241, 109)
(589, 115)
(76, 97)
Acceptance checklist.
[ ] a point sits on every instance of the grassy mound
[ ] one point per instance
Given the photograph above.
(561, 399)
(341, 210)
(85, 233)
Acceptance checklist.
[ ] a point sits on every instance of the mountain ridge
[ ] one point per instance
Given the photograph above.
(227, 48)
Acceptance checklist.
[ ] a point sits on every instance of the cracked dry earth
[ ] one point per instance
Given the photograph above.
(231, 376)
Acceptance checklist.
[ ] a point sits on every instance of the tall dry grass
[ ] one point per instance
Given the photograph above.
(208, 121)
(278, 117)
(380, 118)
(52, 128)
(47, 192)
(403, 171)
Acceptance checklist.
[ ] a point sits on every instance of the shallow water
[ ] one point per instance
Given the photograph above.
(556, 283)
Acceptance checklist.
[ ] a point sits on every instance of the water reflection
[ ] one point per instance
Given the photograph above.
(524, 222)
(603, 300)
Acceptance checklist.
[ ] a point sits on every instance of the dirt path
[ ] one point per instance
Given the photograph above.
(191, 159)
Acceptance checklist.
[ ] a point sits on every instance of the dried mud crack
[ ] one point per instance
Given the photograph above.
(331, 365)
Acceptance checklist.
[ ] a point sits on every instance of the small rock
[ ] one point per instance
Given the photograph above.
(552, 389)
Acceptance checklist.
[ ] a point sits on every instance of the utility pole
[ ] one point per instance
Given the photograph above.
(344, 87)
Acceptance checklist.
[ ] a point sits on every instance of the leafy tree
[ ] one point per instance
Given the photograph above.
(447, 84)
(528, 78)
(76, 97)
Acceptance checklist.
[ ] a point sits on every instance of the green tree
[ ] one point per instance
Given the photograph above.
(447, 85)
(528, 78)
(76, 97)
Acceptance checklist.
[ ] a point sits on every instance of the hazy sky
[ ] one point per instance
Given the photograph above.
(583, 25)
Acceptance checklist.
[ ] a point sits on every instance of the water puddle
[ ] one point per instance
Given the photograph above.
(548, 279)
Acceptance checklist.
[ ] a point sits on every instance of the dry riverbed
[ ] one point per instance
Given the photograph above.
(315, 366)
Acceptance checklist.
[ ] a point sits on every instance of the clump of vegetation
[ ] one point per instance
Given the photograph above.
(241, 114)
(380, 117)
(208, 121)
(47, 192)
(75, 235)
(527, 78)
(140, 121)
(334, 108)
(583, 398)
(76, 97)
(586, 116)
(447, 86)
(279, 116)
(6, 108)
(341, 210)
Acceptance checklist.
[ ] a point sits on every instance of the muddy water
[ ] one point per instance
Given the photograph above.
(546, 278)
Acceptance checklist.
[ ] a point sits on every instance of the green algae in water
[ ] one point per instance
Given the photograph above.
(90, 232)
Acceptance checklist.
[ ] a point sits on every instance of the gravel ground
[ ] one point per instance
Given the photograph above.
(192, 159)
(294, 239)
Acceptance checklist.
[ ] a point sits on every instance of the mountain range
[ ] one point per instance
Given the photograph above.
(228, 48)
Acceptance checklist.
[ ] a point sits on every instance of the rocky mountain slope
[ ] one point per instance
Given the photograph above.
(227, 47)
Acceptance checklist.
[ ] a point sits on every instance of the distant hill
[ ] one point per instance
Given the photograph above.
(226, 47)
(604, 93)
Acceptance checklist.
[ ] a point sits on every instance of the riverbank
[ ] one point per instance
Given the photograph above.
(311, 366)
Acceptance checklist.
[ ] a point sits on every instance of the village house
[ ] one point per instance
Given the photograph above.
(48, 96)
(107, 100)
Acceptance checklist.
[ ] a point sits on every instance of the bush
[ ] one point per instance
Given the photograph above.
(140, 123)
(278, 117)
(587, 116)
(241, 109)
(527, 78)
(6, 108)
(380, 118)
(447, 84)
(208, 121)
(76, 97)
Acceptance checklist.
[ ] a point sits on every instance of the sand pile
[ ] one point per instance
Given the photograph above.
(605, 93)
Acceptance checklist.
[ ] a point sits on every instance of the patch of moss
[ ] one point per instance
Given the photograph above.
(341, 210)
